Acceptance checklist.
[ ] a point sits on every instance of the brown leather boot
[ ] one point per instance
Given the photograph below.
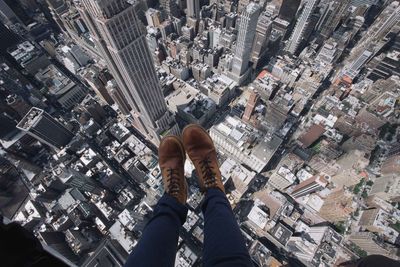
(171, 158)
(201, 150)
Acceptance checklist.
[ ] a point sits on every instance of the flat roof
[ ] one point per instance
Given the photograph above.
(30, 119)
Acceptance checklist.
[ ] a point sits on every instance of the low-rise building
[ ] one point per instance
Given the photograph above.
(282, 178)
(59, 88)
(185, 257)
(374, 220)
(368, 242)
(386, 187)
(198, 111)
(238, 176)
(309, 186)
(29, 57)
(219, 88)
(244, 143)
(123, 236)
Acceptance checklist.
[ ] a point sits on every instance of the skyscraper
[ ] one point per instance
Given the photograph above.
(45, 128)
(18, 10)
(8, 38)
(121, 39)
(77, 180)
(309, 186)
(332, 16)
(7, 128)
(7, 15)
(247, 31)
(289, 9)
(153, 17)
(18, 104)
(301, 26)
(385, 28)
(193, 8)
(263, 31)
(170, 7)
(118, 97)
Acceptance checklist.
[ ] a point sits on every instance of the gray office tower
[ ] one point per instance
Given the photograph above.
(77, 180)
(45, 128)
(247, 30)
(193, 8)
(170, 8)
(260, 43)
(121, 39)
(331, 17)
(301, 27)
(289, 9)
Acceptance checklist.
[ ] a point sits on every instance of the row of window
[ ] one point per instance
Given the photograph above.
(138, 62)
(124, 29)
(72, 97)
(250, 160)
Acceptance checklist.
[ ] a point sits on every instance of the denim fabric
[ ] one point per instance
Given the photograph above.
(223, 242)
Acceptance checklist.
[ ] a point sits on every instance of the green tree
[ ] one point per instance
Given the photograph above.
(341, 227)
(359, 251)
(357, 187)
(396, 226)
(364, 194)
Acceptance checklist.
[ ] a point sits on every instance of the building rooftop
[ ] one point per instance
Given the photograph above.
(70, 197)
(182, 96)
(229, 168)
(249, 139)
(30, 119)
(252, 7)
(258, 217)
(219, 83)
(108, 253)
(199, 106)
(55, 81)
(119, 131)
(281, 233)
(119, 233)
(286, 173)
(276, 202)
(259, 253)
(185, 257)
(25, 52)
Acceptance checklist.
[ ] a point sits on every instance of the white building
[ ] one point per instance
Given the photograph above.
(282, 179)
(247, 31)
(244, 143)
(301, 26)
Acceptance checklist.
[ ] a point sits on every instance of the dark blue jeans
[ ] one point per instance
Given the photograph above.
(223, 242)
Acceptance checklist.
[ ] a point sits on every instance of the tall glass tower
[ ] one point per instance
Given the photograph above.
(193, 8)
(121, 40)
(244, 43)
(301, 26)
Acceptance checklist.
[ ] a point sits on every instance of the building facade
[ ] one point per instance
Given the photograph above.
(193, 8)
(301, 26)
(247, 31)
(309, 186)
(121, 39)
(45, 128)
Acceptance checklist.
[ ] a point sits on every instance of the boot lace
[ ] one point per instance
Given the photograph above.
(173, 182)
(208, 172)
